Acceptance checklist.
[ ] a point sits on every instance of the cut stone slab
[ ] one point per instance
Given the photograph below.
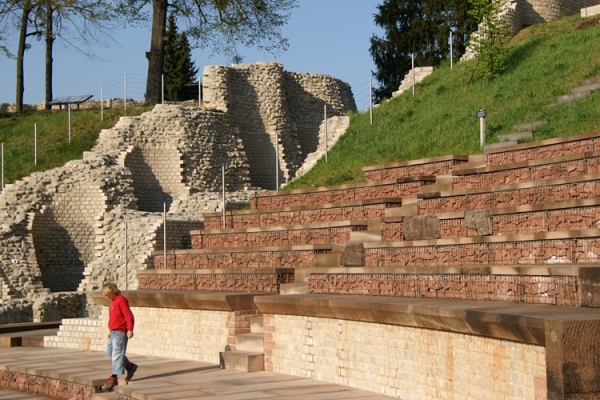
(500, 145)
(250, 342)
(243, 361)
(353, 255)
(529, 126)
(421, 227)
(515, 136)
(293, 288)
(479, 220)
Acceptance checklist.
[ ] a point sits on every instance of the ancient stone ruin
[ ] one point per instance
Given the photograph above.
(63, 230)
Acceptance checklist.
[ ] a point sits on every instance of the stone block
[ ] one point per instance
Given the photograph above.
(421, 227)
(479, 220)
(353, 255)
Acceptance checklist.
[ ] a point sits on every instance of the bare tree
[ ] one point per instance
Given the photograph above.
(220, 25)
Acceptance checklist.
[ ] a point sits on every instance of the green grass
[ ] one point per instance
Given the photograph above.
(545, 61)
(53, 147)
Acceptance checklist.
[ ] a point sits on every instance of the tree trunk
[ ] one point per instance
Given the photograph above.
(156, 55)
(49, 43)
(21, 56)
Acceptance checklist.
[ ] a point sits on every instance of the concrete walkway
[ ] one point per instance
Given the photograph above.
(160, 378)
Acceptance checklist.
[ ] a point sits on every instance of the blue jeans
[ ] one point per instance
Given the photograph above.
(117, 345)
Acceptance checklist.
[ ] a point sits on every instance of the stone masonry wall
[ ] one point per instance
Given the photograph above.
(262, 101)
(196, 335)
(536, 11)
(403, 362)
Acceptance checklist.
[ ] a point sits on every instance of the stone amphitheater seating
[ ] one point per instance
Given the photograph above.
(458, 275)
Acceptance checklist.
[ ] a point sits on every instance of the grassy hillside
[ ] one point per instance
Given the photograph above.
(53, 147)
(545, 61)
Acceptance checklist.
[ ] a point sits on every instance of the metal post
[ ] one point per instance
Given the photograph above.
(199, 93)
(325, 118)
(126, 271)
(101, 102)
(34, 144)
(482, 131)
(165, 233)
(276, 161)
(451, 54)
(2, 151)
(125, 91)
(162, 89)
(69, 107)
(371, 100)
(223, 181)
(412, 56)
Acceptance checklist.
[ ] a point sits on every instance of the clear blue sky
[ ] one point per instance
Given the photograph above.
(325, 36)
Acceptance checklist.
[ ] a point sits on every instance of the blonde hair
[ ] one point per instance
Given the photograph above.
(110, 287)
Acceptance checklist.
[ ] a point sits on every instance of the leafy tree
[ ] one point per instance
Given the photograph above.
(179, 67)
(494, 32)
(221, 25)
(78, 23)
(421, 27)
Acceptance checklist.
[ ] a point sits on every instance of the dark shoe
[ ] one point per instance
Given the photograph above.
(110, 385)
(131, 368)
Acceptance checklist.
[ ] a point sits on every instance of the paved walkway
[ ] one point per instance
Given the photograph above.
(164, 379)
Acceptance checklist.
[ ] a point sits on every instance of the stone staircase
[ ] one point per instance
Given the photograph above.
(248, 355)
(512, 231)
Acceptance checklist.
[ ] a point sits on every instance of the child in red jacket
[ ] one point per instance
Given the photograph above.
(120, 326)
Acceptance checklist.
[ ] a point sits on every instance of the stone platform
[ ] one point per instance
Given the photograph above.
(72, 374)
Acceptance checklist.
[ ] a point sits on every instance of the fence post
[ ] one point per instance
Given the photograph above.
(125, 91)
(325, 119)
(165, 233)
(126, 271)
(34, 144)
(412, 56)
(451, 54)
(162, 88)
(371, 100)
(101, 102)
(2, 151)
(223, 183)
(276, 161)
(69, 108)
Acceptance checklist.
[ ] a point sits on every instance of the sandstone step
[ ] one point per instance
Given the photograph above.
(527, 193)
(294, 288)
(320, 233)
(595, 79)
(500, 145)
(590, 11)
(242, 361)
(571, 97)
(555, 167)
(250, 342)
(259, 280)
(566, 285)
(586, 89)
(548, 148)
(256, 325)
(427, 166)
(241, 257)
(549, 217)
(529, 126)
(511, 137)
(340, 211)
(32, 338)
(395, 188)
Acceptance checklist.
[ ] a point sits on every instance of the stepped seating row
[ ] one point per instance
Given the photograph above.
(536, 228)
(300, 215)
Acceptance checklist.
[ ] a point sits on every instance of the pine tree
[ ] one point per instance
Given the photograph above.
(421, 27)
(179, 68)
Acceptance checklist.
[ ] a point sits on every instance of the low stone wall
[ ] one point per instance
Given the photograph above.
(15, 311)
(245, 258)
(56, 306)
(403, 362)
(197, 335)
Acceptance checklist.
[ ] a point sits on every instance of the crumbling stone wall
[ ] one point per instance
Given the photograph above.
(63, 230)
(264, 102)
